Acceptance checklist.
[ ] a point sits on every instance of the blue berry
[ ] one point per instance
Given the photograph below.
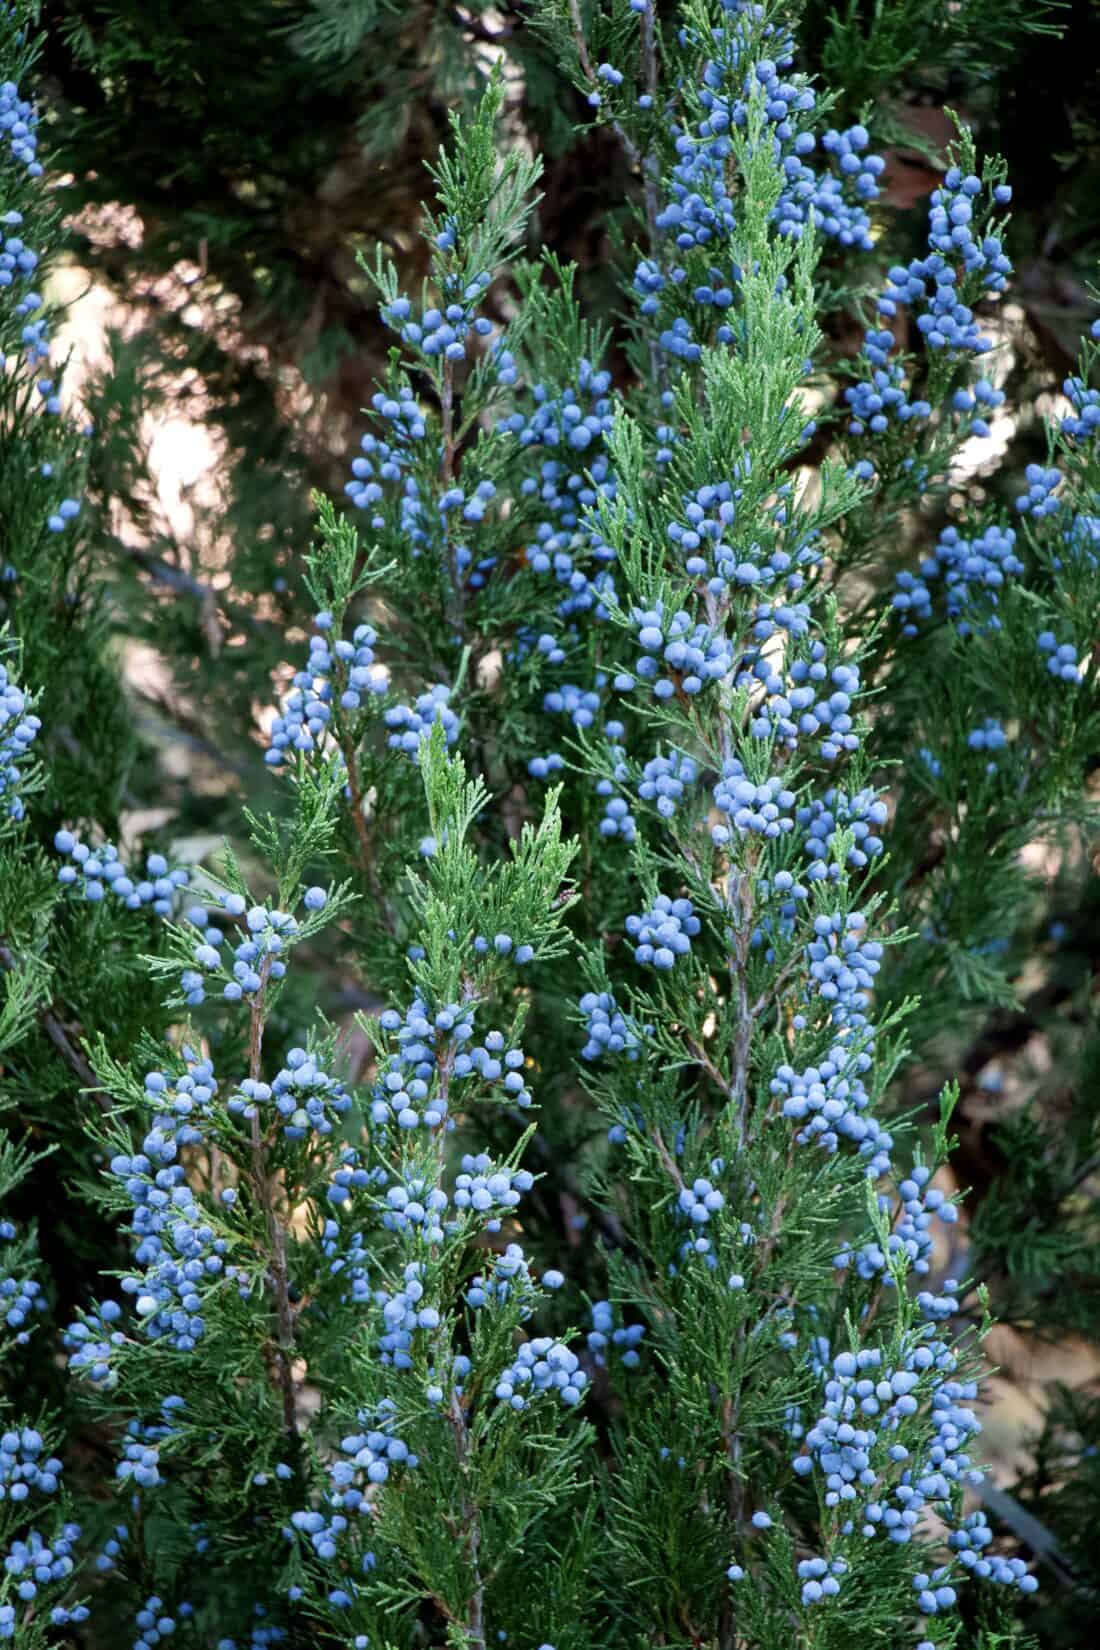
(664, 933)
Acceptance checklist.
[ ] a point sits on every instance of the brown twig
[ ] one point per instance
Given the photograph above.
(650, 175)
(446, 473)
(702, 1058)
(583, 57)
(735, 1507)
(264, 1188)
(668, 1160)
(355, 791)
(739, 986)
(471, 1526)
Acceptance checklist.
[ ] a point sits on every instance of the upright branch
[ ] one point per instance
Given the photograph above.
(740, 902)
(470, 1514)
(446, 475)
(651, 168)
(265, 1186)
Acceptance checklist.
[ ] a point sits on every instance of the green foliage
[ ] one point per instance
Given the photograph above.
(313, 1093)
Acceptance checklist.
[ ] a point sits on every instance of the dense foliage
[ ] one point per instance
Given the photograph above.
(229, 226)
(509, 1192)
